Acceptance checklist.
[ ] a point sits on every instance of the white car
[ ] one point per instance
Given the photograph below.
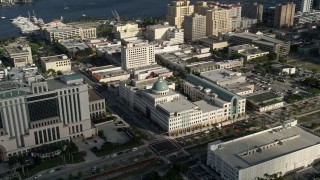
(134, 149)
(114, 155)
(37, 176)
(51, 171)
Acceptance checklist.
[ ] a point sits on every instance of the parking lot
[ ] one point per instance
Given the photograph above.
(278, 85)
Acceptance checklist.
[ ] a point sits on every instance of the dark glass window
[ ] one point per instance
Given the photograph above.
(36, 137)
(49, 134)
(40, 107)
(58, 133)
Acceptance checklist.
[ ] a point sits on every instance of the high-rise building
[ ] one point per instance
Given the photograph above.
(303, 5)
(316, 4)
(218, 20)
(253, 10)
(284, 15)
(137, 55)
(194, 27)
(176, 12)
(35, 111)
(201, 7)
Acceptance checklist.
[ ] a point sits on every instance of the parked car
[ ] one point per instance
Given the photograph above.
(51, 171)
(37, 176)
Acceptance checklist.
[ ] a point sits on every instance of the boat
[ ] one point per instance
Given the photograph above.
(65, 6)
(83, 15)
(26, 25)
(2, 16)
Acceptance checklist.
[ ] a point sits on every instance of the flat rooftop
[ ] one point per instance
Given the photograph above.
(93, 95)
(15, 49)
(74, 44)
(263, 38)
(266, 145)
(178, 106)
(257, 98)
(243, 47)
(220, 75)
(211, 41)
(61, 57)
(206, 106)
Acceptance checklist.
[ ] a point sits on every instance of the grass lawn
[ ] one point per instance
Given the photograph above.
(311, 117)
(51, 163)
(307, 64)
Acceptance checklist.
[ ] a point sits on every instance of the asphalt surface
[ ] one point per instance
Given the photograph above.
(85, 167)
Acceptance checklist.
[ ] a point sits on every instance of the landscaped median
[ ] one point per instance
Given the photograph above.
(30, 166)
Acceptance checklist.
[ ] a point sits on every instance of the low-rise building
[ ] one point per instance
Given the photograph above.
(58, 63)
(240, 89)
(151, 72)
(127, 30)
(229, 64)
(280, 69)
(200, 89)
(97, 105)
(173, 112)
(277, 151)
(57, 31)
(19, 54)
(264, 101)
(264, 42)
(109, 73)
(73, 46)
(214, 43)
(201, 67)
(157, 32)
(247, 51)
(223, 77)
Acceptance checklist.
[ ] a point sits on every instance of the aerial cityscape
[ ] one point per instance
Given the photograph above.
(162, 89)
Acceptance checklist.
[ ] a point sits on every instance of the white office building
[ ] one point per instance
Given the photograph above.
(35, 111)
(275, 151)
(137, 55)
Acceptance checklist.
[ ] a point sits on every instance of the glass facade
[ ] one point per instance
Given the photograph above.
(43, 107)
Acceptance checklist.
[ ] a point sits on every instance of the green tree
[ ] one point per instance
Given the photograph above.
(80, 175)
(153, 175)
(70, 177)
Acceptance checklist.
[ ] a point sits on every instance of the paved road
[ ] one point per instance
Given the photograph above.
(85, 167)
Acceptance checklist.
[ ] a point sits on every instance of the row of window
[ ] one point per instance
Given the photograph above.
(75, 129)
(35, 125)
(47, 135)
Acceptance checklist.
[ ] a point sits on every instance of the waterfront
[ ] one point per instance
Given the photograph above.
(53, 9)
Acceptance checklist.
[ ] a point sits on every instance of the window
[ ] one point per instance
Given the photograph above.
(40, 137)
(58, 133)
(45, 136)
(36, 137)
